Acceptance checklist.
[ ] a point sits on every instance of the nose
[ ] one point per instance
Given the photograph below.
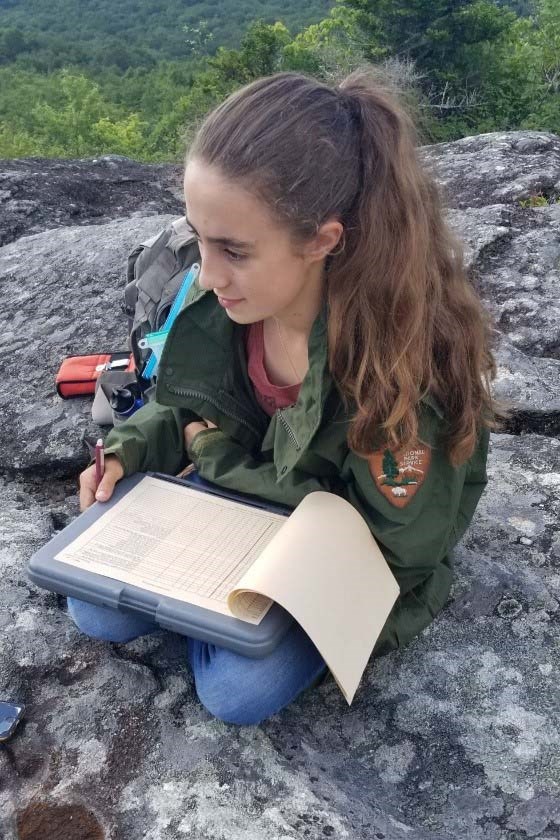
(210, 276)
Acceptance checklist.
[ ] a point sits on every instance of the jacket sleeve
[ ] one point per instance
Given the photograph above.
(151, 439)
(220, 459)
(416, 538)
(476, 479)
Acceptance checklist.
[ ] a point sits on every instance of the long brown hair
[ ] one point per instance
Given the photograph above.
(403, 320)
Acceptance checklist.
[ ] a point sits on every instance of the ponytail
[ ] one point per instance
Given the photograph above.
(403, 320)
(418, 325)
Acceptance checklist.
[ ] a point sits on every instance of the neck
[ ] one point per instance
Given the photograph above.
(286, 333)
(297, 320)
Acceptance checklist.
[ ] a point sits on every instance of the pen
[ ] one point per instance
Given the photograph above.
(99, 461)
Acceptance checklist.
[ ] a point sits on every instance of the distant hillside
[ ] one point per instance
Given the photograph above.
(144, 31)
(135, 77)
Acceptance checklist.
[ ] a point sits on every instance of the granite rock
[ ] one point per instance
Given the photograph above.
(518, 277)
(530, 387)
(513, 255)
(38, 194)
(62, 296)
(496, 168)
(520, 283)
(457, 737)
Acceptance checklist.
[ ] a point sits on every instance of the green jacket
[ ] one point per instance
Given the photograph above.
(203, 374)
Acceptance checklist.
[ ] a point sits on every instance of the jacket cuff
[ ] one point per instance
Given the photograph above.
(199, 441)
(117, 451)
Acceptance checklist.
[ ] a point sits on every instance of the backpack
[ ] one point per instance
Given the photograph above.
(155, 271)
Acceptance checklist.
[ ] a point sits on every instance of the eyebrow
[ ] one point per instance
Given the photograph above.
(224, 240)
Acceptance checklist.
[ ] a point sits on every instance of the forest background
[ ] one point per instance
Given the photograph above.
(135, 77)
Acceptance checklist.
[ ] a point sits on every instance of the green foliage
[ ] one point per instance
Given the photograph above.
(15, 143)
(523, 90)
(329, 49)
(75, 123)
(134, 33)
(481, 68)
(463, 66)
(538, 200)
(223, 73)
(444, 38)
(13, 42)
(198, 38)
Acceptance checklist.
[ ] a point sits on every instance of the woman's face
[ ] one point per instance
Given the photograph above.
(247, 259)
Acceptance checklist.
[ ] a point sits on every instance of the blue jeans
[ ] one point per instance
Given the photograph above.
(234, 688)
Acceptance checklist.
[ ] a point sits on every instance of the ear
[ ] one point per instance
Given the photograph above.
(325, 240)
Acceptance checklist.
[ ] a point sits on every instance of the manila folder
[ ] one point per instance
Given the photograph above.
(326, 569)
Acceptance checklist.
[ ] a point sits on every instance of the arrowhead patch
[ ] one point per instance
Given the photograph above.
(399, 475)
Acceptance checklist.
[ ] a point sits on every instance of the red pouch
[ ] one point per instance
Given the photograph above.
(77, 374)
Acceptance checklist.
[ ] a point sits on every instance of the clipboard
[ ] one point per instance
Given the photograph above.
(253, 640)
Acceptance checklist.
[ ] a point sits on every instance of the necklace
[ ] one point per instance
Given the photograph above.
(289, 358)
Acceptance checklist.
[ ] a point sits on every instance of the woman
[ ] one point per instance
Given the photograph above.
(332, 342)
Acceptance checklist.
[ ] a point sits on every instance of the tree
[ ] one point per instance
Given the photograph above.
(83, 123)
(198, 38)
(524, 89)
(390, 467)
(330, 49)
(444, 38)
(12, 43)
(262, 48)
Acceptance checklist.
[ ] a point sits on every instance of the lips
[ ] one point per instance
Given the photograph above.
(227, 303)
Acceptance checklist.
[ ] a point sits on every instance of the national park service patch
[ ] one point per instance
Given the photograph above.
(399, 475)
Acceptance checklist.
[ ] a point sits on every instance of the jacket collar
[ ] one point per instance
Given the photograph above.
(185, 361)
(294, 427)
(199, 349)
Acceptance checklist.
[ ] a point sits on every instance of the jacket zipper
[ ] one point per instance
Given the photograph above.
(199, 395)
(289, 430)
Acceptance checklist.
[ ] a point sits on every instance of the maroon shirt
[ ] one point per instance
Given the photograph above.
(270, 397)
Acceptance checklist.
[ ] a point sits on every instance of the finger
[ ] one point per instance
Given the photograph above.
(196, 425)
(105, 488)
(210, 424)
(192, 429)
(87, 488)
(113, 473)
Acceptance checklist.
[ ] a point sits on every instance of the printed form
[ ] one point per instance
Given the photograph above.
(171, 540)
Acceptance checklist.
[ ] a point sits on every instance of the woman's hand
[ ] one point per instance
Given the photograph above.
(192, 429)
(90, 492)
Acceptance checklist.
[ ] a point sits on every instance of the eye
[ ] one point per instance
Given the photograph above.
(234, 256)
